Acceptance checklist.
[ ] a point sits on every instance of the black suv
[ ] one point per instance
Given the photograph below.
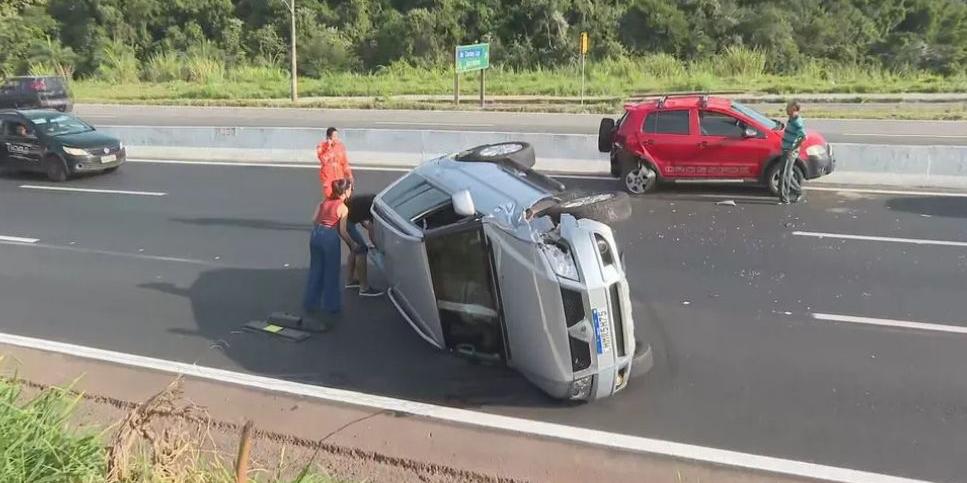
(57, 144)
(47, 92)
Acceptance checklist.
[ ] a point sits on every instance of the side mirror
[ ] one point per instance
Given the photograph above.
(749, 133)
(463, 203)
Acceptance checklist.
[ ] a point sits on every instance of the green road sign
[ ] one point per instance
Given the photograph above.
(472, 57)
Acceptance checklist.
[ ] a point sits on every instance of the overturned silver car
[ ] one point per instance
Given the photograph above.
(485, 257)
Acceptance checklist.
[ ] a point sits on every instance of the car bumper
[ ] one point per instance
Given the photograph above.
(817, 166)
(92, 164)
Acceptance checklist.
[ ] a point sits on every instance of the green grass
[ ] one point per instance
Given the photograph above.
(39, 443)
(736, 69)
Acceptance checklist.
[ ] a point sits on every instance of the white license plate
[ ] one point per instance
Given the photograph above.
(109, 159)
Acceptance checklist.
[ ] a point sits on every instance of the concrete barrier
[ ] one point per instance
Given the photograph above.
(896, 165)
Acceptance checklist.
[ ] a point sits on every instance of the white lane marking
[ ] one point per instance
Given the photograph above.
(449, 124)
(18, 240)
(90, 190)
(915, 241)
(465, 417)
(264, 165)
(94, 251)
(564, 176)
(880, 135)
(889, 192)
(903, 324)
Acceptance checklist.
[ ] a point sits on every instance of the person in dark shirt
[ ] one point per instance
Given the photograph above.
(360, 215)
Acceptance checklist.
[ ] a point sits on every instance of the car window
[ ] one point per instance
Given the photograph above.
(413, 198)
(722, 125)
(667, 122)
(60, 124)
(755, 115)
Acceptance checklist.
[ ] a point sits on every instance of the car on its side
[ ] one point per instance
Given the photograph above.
(487, 258)
(56, 144)
(36, 92)
(698, 137)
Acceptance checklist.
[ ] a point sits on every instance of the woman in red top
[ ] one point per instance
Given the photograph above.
(323, 289)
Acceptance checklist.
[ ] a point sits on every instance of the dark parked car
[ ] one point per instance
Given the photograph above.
(45, 92)
(56, 144)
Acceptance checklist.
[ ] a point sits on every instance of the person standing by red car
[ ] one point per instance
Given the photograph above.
(333, 162)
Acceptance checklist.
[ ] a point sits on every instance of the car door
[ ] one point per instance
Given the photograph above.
(465, 290)
(729, 148)
(402, 252)
(21, 152)
(666, 137)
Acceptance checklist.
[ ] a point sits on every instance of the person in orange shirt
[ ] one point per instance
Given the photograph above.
(333, 162)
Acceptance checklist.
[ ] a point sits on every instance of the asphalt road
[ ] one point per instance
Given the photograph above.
(838, 131)
(727, 296)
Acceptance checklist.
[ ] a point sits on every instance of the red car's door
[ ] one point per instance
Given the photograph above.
(729, 148)
(667, 138)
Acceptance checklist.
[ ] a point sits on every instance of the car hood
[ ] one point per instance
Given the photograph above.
(89, 139)
(812, 139)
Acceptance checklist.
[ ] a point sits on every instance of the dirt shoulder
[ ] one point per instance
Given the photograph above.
(352, 443)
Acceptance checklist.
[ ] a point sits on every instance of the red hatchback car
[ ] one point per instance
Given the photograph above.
(695, 138)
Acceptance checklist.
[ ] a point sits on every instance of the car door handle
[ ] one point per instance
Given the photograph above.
(648, 142)
(703, 144)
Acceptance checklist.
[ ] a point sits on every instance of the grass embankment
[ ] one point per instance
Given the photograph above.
(609, 83)
(41, 442)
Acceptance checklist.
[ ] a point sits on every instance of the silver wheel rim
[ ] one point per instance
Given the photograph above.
(587, 200)
(638, 181)
(501, 150)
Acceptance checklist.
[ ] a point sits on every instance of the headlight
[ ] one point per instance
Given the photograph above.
(76, 151)
(816, 150)
(581, 389)
(561, 260)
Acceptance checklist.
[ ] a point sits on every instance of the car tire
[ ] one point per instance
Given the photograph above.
(607, 207)
(639, 178)
(518, 153)
(772, 177)
(55, 169)
(606, 135)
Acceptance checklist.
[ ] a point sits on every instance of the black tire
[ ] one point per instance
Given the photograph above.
(639, 178)
(517, 153)
(606, 135)
(607, 207)
(772, 177)
(55, 169)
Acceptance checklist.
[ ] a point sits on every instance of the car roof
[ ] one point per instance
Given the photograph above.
(680, 102)
(491, 185)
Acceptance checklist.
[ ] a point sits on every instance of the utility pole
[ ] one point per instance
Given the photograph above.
(293, 68)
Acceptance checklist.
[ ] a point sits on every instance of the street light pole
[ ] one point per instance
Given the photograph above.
(293, 68)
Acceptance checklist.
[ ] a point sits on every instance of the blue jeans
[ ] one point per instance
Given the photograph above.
(323, 289)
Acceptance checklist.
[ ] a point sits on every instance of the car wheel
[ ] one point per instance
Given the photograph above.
(776, 170)
(518, 153)
(608, 207)
(55, 169)
(639, 178)
(605, 135)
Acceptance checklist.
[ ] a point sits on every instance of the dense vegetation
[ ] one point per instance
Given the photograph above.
(157, 41)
